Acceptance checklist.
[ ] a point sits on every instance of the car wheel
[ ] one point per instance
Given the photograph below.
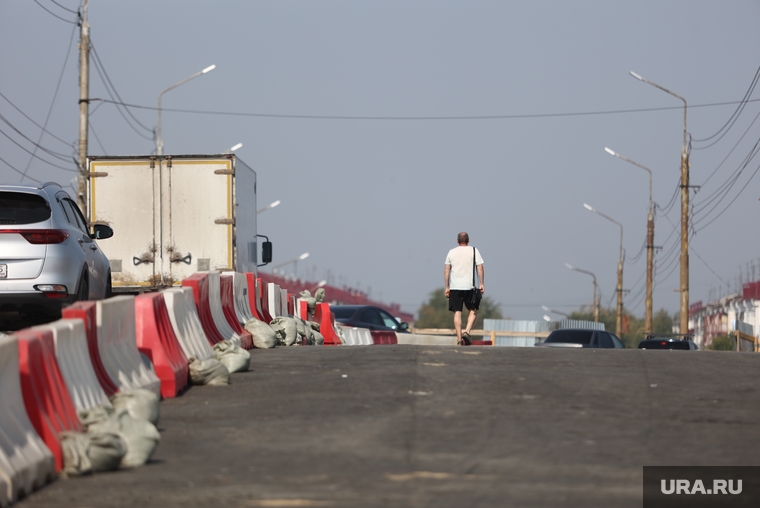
(83, 293)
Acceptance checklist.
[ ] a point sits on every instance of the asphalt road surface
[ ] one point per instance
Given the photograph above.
(424, 426)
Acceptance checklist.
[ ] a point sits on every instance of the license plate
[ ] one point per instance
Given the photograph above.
(3, 271)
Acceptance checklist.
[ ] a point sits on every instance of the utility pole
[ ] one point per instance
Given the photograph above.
(84, 108)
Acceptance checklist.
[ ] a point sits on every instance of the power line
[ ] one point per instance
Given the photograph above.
(55, 96)
(423, 118)
(57, 155)
(65, 8)
(54, 14)
(111, 89)
(19, 171)
(35, 123)
(732, 150)
(34, 155)
(734, 116)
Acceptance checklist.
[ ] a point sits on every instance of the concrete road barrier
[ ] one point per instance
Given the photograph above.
(156, 339)
(46, 398)
(26, 463)
(118, 346)
(186, 324)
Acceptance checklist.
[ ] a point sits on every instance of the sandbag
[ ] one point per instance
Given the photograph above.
(142, 404)
(85, 453)
(263, 335)
(232, 356)
(318, 339)
(208, 372)
(140, 436)
(285, 330)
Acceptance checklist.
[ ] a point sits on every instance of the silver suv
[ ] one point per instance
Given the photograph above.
(48, 254)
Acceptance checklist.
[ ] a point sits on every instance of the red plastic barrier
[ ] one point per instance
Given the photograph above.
(199, 283)
(156, 339)
(324, 317)
(254, 296)
(481, 342)
(303, 309)
(88, 312)
(264, 299)
(383, 337)
(46, 397)
(227, 293)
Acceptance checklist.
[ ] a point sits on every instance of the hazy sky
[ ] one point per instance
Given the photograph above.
(378, 202)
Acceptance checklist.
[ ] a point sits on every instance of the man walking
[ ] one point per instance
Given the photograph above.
(461, 283)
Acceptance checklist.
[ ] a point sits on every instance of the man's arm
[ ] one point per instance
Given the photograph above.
(481, 275)
(446, 272)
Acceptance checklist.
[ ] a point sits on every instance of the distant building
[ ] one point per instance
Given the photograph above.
(715, 318)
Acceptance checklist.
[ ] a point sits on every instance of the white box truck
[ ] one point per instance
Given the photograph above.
(173, 215)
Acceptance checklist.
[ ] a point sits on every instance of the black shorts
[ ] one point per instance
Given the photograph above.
(458, 297)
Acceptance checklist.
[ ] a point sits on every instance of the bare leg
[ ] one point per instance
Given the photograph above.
(471, 320)
(458, 325)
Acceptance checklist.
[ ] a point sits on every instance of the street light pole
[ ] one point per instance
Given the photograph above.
(619, 319)
(684, 259)
(159, 140)
(650, 245)
(596, 300)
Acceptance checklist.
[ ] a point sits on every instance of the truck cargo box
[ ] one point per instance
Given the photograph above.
(173, 215)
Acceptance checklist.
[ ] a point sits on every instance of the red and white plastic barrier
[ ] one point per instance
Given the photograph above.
(254, 296)
(88, 313)
(234, 316)
(383, 337)
(274, 307)
(73, 357)
(357, 336)
(186, 324)
(264, 301)
(25, 462)
(118, 346)
(243, 338)
(155, 339)
(241, 291)
(324, 317)
(199, 283)
(46, 397)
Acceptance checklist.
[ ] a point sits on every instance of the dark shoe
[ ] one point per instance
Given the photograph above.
(466, 339)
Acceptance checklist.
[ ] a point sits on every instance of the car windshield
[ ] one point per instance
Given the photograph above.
(664, 344)
(343, 312)
(21, 208)
(571, 336)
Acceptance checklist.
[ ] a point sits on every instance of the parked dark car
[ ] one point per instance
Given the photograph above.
(667, 343)
(579, 338)
(367, 316)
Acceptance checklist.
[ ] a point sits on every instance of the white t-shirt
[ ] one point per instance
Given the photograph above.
(460, 259)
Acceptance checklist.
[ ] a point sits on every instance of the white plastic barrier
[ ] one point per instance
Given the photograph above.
(74, 361)
(118, 346)
(426, 340)
(183, 314)
(299, 313)
(284, 302)
(273, 299)
(257, 292)
(26, 463)
(242, 302)
(357, 336)
(215, 303)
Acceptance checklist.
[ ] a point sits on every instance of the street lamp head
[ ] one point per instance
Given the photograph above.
(275, 203)
(547, 309)
(303, 256)
(588, 207)
(636, 76)
(611, 152)
(236, 147)
(569, 266)
(208, 69)
(547, 318)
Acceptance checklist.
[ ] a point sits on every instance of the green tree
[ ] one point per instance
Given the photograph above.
(435, 312)
(722, 343)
